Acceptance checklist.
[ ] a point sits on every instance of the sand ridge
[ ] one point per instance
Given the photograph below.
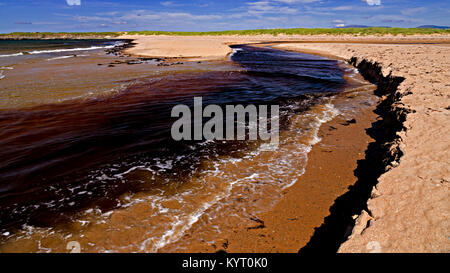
(410, 205)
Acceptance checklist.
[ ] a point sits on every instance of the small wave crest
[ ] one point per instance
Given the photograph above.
(47, 51)
(2, 76)
(235, 50)
(61, 57)
(11, 55)
(70, 49)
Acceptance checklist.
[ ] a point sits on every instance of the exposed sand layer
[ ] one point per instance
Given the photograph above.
(409, 208)
(196, 48)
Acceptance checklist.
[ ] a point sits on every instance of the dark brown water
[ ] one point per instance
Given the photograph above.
(103, 167)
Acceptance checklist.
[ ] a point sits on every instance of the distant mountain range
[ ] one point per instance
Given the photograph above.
(433, 26)
(359, 26)
(424, 26)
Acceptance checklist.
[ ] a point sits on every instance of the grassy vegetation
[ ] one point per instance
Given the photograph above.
(308, 31)
(290, 31)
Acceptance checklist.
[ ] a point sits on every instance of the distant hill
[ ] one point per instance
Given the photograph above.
(424, 26)
(433, 26)
(361, 26)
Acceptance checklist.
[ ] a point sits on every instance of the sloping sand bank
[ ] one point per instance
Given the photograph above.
(409, 208)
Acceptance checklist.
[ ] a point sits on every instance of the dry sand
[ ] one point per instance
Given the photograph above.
(409, 209)
(193, 48)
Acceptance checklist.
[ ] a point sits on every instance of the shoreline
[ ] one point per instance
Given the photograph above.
(413, 190)
(397, 196)
(372, 220)
(290, 224)
(294, 171)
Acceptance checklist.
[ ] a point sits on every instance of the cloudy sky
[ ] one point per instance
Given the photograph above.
(204, 15)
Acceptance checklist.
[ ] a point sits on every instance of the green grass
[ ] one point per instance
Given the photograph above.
(307, 31)
(289, 31)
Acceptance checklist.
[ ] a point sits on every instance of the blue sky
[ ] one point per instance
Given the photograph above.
(204, 15)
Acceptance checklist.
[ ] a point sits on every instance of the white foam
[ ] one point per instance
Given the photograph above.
(180, 226)
(11, 55)
(59, 58)
(60, 50)
(70, 49)
(292, 182)
(235, 50)
(120, 175)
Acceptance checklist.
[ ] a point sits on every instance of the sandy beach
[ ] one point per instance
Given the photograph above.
(222, 132)
(362, 165)
(408, 210)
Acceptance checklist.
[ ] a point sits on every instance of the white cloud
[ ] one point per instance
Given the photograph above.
(73, 2)
(297, 1)
(413, 11)
(146, 16)
(169, 4)
(344, 8)
(338, 23)
(262, 7)
(85, 19)
(373, 2)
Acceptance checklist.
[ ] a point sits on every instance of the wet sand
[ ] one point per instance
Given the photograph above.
(290, 223)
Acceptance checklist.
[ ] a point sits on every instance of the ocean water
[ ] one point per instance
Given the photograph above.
(14, 52)
(87, 154)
